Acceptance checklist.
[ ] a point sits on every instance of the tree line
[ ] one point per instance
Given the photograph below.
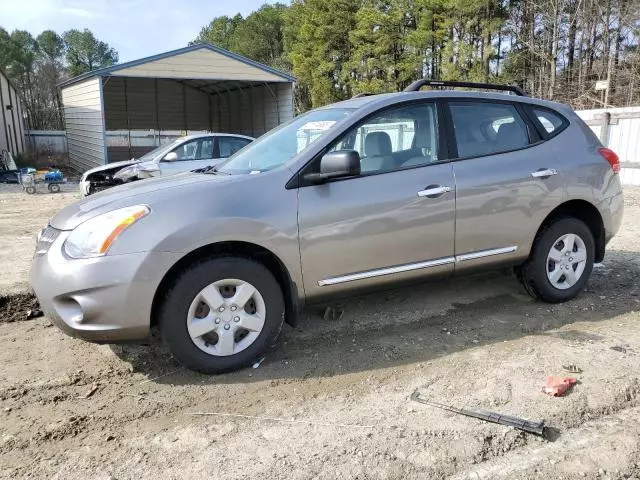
(37, 65)
(554, 49)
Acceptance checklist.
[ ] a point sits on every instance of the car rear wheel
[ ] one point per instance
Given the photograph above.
(560, 262)
(222, 314)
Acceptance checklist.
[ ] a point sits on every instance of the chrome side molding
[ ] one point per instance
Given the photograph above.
(415, 266)
(386, 271)
(485, 253)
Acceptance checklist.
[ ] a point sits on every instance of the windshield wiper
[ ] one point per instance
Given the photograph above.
(210, 169)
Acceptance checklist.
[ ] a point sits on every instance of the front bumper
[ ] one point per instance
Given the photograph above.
(104, 299)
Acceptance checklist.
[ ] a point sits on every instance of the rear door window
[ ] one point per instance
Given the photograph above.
(485, 128)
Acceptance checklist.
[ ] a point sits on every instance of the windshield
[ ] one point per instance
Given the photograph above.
(283, 143)
(153, 153)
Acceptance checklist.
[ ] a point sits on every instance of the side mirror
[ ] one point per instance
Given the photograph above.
(341, 163)
(170, 157)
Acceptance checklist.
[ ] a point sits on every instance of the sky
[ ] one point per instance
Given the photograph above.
(135, 28)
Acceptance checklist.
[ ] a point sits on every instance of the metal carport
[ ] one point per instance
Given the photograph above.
(197, 88)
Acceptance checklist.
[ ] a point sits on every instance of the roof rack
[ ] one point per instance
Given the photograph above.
(418, 84)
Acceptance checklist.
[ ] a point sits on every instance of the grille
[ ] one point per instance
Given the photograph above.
(45, 238)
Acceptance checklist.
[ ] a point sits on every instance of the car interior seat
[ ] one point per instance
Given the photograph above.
(511, 136)
(422, 151)
(377, 151)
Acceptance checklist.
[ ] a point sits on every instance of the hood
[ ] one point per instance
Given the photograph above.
(141, 192)
(109, 166)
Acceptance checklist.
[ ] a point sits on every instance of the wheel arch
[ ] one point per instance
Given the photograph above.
(586, 212)
(241, 249)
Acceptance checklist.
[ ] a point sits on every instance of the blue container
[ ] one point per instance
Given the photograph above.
(53, 176)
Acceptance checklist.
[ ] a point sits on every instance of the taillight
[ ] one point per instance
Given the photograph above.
(611, 157)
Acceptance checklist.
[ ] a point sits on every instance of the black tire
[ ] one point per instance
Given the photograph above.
(30, 190)
(174, 310)
(54, 187)
(533, 273)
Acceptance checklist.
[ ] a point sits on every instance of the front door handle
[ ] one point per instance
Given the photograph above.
(544, 173)
(433, 191)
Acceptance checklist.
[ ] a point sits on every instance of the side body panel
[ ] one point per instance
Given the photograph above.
(589, 175)
(375, 222)
(500, 205)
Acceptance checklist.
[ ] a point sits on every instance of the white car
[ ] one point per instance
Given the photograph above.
(182, 155)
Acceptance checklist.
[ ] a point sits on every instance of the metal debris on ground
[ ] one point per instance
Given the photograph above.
(92, 390)
(558, 386)
(35, 313)
(259, 362)
(618, 348)
(572, 368)
(537, 428)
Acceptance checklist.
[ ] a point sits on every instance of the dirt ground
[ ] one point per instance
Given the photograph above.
(21, 218)
(334, 396)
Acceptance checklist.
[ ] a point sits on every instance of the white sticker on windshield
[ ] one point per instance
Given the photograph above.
(320, 125)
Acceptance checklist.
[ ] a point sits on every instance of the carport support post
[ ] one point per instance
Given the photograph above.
(242, 119)
(264, 113)
(277, 102)
(184, 108)
(253, 126)
(210, 113)
(155, 92)
(604, 128)
(126, 111)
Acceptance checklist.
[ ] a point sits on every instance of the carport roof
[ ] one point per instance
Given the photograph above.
(103, 72)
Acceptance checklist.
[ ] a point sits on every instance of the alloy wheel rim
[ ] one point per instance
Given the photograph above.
(566, 261)
(226, 317)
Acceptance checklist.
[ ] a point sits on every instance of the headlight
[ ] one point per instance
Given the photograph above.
(126, 172)
(149, 168)
(94, 237)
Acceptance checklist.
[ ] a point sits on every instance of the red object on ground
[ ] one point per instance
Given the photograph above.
(558, 386)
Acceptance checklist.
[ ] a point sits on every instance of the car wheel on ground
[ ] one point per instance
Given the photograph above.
(54, 188)
(30, 190)
(222, 314)
(560, 262)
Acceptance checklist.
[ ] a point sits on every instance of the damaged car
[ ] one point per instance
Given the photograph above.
(182, 155)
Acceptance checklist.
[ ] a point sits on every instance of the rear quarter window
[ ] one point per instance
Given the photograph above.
(552, 122)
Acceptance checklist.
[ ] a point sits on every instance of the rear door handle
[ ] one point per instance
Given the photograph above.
(544, 172)
(433, 191)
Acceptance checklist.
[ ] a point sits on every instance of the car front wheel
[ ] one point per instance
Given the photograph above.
(560, 262)
(222, 314)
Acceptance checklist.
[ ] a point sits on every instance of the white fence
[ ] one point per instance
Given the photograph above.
(619, 129)
(55, 141)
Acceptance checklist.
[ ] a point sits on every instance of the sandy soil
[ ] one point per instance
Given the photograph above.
(336, 393)
(22, 216)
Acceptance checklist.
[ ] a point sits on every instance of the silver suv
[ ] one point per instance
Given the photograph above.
(356, 195)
